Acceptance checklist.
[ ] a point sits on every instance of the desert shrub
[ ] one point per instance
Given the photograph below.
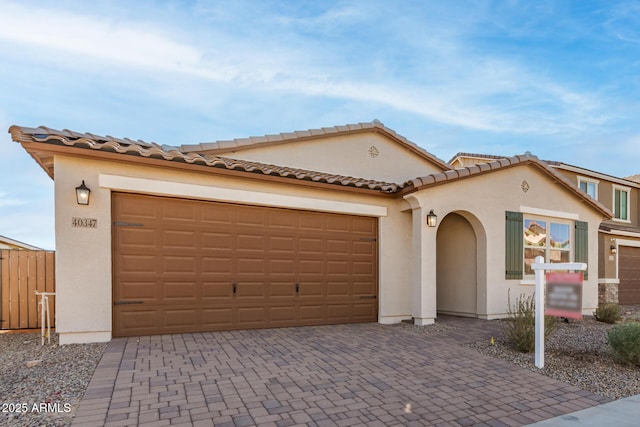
(607, 313)
(519, 329)
(624, 339)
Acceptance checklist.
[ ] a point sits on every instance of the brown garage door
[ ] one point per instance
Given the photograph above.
(186, 266)
(629, 274)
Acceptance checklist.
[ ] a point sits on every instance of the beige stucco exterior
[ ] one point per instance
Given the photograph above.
(456, 267)
(83, 261)
(367, 155)
(483, 201)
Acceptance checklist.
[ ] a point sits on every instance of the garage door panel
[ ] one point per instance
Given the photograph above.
(175, 210)
(180, 292)
(364, 288)
(142, 209)
(179, 239)
(251, 243)
(364, 310)
(338, 289)
(338, 247)
(282, 245)
(365, 248)
(312, 314)
(136, 290)
(359, 268)
(251, 316)
(339, 268)
(137, 263)
(282, 289)
(338, 223)
(251, 217)
(311, 222)
(178, 264)
(282, 267)
(179, 318)
(283, 314)
(132, 237)
(251, 266)
(211, 215)
(247, 290)
(218, 241)
(144, 319)
(217, 318)
(217, 291)
(183, 257)
(311, 246)
(338, 312)
(310, 289)
(629, 275)
(217, 266)
(364, 226)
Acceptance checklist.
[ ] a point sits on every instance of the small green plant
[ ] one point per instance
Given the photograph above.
(624, 339)
(607, 313)
(519, 328)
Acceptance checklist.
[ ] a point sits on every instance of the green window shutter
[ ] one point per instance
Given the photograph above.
(582, 243)
(514, 245)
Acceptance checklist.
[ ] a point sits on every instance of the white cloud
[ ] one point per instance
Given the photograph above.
(460, 88)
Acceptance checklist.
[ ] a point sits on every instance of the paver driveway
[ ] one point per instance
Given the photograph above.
(345, 375)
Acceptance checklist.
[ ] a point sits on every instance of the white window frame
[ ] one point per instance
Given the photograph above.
(613, 202)
(586, 180)
(548, 220)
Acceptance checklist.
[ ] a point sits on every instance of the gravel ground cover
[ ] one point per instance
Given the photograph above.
(48, 393)
(578, 353)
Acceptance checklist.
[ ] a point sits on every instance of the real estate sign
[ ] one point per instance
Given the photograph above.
(564, 294)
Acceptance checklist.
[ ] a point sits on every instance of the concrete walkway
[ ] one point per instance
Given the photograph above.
(343, 375)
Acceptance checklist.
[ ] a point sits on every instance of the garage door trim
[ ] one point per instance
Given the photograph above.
(231, 195)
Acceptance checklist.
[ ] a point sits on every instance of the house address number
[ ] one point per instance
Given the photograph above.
(84, 222)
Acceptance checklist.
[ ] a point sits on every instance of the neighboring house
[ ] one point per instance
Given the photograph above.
(324, 226)
(618, 237)
(7, 243)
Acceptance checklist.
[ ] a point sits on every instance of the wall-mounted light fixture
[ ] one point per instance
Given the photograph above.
(432, 219)
(82, 194)
(614, 250)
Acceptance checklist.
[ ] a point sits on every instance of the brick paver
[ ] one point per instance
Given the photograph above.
(343, 375)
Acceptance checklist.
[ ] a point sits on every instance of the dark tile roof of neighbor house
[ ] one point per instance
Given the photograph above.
(67, 138)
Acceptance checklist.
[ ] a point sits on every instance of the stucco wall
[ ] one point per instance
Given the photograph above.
(83, 255)
(484, 199)
(456, 261)
(345, 155)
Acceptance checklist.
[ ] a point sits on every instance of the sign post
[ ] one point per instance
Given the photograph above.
(562, 298)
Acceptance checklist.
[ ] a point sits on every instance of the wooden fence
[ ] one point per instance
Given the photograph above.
(22, 273)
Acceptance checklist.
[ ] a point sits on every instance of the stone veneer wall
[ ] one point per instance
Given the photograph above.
(607, 293)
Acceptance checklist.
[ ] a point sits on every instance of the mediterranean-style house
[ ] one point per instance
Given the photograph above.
(342, 224)
(618, 237)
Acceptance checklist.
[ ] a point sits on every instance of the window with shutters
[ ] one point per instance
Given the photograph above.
(557, 240)
(550, 239)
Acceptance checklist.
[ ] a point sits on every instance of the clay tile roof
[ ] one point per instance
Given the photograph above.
(219, 147)
(634, 178)
(498, 164)
(476, 155)
(170, 153)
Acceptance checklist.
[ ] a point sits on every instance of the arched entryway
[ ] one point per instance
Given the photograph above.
(459, 280)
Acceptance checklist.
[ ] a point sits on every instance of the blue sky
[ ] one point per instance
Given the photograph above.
(558, 78)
